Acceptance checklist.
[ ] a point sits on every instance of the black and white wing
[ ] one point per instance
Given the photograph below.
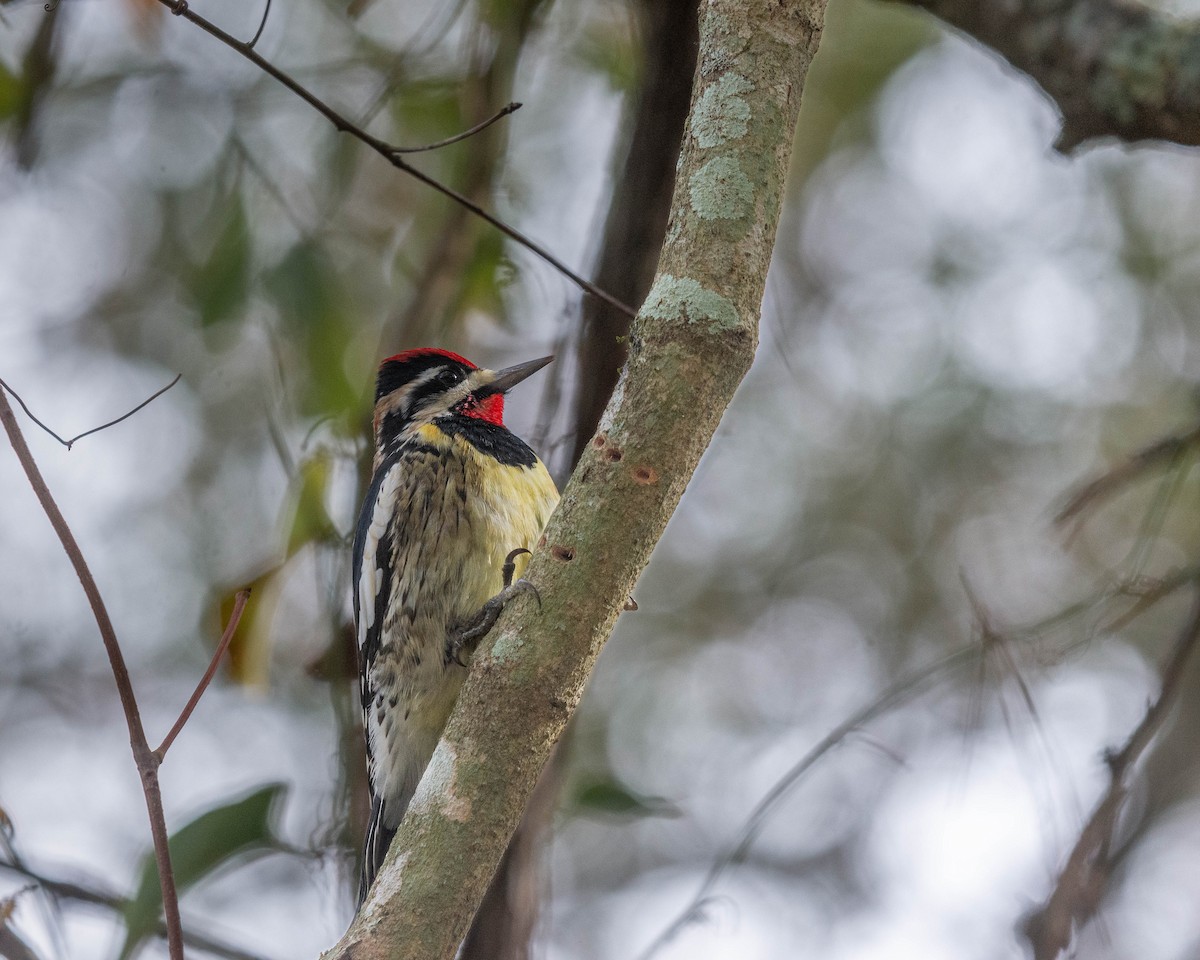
(372, 585)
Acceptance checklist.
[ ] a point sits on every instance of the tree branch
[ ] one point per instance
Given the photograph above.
(1115, 68)
(1084, 880)
(239, 606)
(147, 763)
(690, 347)
(504, 925)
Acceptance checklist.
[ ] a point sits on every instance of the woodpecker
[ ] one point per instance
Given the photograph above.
(455, 502)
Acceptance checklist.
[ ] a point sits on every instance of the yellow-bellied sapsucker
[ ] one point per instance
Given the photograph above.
(455, 498)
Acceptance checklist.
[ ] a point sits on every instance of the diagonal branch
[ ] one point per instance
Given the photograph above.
(389, 152)
(1167, 452)
(458, 137)
(239, 606)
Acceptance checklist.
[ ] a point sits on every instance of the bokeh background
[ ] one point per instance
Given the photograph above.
(961, 325)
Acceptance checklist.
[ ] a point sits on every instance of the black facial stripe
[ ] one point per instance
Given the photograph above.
(433, 388)
(394, 374)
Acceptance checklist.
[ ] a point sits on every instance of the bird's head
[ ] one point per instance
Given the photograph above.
(422, 386)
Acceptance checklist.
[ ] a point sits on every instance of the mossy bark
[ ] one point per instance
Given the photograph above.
(690, 346)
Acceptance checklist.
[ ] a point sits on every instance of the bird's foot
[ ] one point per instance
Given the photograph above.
(465, 638)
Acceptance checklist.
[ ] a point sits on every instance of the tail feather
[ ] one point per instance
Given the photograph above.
(379, 838)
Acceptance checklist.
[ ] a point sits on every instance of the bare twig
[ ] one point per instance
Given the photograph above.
(87, 433)
(1084, 880)
(1147, 593)
(262, 25)
(478, 128)
(1169, 450)
(890, 698)
(95, 897)
(239, 606)
(147, 763)
(386, 150)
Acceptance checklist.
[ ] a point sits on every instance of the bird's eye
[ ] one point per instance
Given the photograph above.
(450, 376)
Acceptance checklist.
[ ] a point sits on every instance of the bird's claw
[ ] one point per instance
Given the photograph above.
(510, 567)
(467, 636)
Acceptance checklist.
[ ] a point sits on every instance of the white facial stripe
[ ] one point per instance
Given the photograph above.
(475, 379)
(442, 403)
(399, 399)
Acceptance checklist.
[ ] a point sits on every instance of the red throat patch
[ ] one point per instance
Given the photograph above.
(490, 409)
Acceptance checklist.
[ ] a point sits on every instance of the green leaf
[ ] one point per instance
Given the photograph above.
(612, 797)
(11, 93)
(482, 280)
(232, 830)
(317, 312)
(310, 520)
(608, 49)
(248, 662)
(220, 284)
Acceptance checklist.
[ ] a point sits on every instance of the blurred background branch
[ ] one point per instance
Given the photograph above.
(92, 894)
(637, 214)
(1086, 877)
(1114, 68)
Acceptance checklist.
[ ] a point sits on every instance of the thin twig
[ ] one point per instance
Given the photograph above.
(29, 413)
(262, 25)
(1169, 449)
(87, 433)
(239, 605)
(386, 150)
(498, 115)
(118, 904)
(1147, 593)
(892, 697)
(147, 764)
(1084, 880)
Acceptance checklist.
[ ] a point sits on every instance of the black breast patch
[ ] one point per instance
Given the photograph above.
(496, 441)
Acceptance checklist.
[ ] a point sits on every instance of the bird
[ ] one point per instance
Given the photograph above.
(455, 503)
